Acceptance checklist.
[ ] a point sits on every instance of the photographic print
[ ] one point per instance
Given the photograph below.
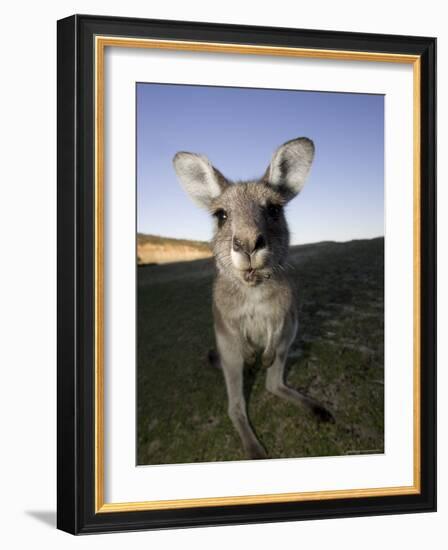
(260, 273)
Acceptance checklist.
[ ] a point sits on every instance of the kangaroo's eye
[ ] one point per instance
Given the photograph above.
(274, 210)
(221, 216)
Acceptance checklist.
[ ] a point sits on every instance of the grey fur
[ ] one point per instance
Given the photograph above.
(254, 306)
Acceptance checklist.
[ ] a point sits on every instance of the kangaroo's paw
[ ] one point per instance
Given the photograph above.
(323, 414)
(250, 359)
(214, 359)
(256, 451)
(267, 359)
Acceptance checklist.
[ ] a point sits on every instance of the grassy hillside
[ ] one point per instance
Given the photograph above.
(337, 358)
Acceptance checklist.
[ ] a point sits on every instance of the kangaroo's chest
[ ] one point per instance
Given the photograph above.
(255, 315)
(258, 319)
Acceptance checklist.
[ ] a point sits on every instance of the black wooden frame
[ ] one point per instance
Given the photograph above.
(75, 475)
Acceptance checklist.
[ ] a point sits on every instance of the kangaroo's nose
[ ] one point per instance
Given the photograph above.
(249, 245)
(259, 243)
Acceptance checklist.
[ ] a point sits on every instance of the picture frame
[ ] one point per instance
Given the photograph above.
(82, 195)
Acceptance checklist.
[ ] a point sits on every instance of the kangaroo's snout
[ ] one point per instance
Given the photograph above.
(249, 253)
(249, 237)
(248, 246)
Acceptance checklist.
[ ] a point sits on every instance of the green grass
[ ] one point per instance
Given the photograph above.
(337, 358)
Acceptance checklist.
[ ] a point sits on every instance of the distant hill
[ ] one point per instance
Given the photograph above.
(152, 249)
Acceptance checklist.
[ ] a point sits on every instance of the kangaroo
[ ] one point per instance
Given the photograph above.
(254, 307)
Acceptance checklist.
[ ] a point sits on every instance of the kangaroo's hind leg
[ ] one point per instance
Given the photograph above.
(276, 384)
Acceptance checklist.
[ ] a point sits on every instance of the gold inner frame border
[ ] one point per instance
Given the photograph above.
(100, 44)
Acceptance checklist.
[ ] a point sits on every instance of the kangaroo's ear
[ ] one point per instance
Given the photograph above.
(199, 178)
(290, 166)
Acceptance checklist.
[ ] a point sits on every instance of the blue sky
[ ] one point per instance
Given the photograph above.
(238, 129)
